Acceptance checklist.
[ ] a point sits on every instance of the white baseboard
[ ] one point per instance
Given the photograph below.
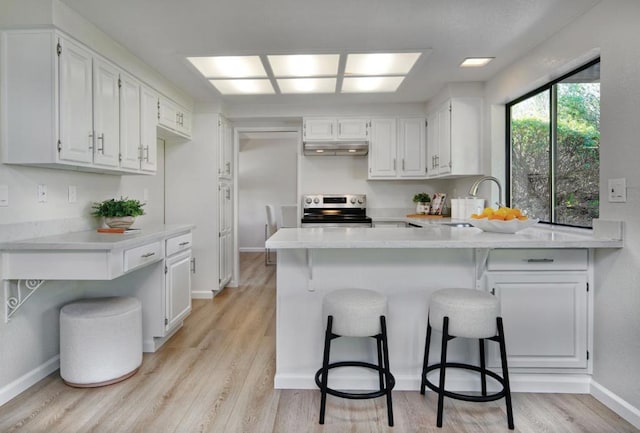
(456, 381)
(617, 404)
(29, 379)
(202, 294)
(251, 249)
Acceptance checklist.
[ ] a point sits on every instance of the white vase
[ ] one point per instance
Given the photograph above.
(119, 222)
(422, 208)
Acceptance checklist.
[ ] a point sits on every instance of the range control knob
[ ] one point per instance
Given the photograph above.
(360, 201)
(316, 200)
(307, 200)
(353, 200)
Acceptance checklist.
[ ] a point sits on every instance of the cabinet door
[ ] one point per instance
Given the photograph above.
(106, 113)
(225, 149)
(76, 105)
(183, 121)
(320, 129)
(443, 159)
(148, 130)
(130, 125)
(225, 247)
(383, 149)
(353, 129)
(432, 144)
(178, 288)
(412, 147)
(167, 113)
(545, 318)
(465, 141)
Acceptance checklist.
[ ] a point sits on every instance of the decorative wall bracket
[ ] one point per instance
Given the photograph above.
(16, 292)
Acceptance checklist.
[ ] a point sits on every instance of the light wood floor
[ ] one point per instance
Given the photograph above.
(216, 375)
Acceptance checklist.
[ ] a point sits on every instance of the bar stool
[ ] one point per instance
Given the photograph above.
(356, 313)
(466, 313)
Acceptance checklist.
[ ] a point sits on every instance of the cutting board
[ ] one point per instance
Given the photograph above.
(418, 215)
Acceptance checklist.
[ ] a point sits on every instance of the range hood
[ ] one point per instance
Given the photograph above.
(332, 148)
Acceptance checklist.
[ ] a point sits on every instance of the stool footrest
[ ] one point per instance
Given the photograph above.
(389, 379)
(466, 397)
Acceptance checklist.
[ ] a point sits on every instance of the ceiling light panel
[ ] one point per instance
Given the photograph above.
(307, 85)
(380, 63)
(475, 62)
(371, 84)
(229, 66)
(243, 87)
(305, 65)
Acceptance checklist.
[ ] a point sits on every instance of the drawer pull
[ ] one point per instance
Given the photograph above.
(144, 256)
(182, 244)
(540, 260)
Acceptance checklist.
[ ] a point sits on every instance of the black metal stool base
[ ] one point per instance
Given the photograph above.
(390, 381)
(387, 381)
(484, 372)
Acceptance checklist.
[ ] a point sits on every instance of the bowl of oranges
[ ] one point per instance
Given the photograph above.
(502, 220)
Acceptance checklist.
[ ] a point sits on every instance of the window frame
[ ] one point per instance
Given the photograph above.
(553, 99)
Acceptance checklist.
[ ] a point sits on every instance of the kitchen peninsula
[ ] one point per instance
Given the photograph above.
(543, 277)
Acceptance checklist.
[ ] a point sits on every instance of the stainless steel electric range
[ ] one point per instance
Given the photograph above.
(335, 210)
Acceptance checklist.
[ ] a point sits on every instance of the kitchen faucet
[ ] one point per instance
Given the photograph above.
(473, 191)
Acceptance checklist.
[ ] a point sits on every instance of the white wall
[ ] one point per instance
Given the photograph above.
(267, 174)
(610, 28)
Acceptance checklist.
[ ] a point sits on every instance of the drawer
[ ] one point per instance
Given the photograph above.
(140, 256)
(178, 243)
(541, 259)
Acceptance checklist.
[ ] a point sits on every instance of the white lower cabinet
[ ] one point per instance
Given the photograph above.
(177, 288)
(545, 313)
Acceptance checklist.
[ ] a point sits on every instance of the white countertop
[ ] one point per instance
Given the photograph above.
(434, 234)
(92, 240)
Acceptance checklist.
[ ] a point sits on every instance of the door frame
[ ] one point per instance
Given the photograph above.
(236, 162)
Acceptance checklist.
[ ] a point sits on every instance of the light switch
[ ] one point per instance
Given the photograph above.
(617, 190)
(4, 195)
(42, 193)
(73, 195)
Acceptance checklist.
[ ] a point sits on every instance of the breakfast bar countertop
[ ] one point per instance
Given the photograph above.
(437, 235)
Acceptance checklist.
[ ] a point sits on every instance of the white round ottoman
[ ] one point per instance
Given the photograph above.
(100, 341)
(356, 313)
(466, 313)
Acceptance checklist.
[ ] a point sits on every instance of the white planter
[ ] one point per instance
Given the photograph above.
(119, 222)
(422, 208)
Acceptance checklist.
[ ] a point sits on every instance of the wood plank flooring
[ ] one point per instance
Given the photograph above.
(216, 375)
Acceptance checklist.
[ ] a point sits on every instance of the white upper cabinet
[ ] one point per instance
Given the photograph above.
(106, 113)
(455, 131)
(148, 130)
(75, 93)
(174, 120)
(383, 149)
(130, 122)
(90, 114)
(335, 129)
(397, 148)
(225, 149)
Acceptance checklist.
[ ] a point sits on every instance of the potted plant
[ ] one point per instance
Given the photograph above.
(118, 213)
(422, 200)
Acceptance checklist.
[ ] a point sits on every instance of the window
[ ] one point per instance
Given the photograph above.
(553, 149)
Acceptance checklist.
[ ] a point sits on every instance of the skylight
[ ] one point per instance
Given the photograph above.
(306, 73)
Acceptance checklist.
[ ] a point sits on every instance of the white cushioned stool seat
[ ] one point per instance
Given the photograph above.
(356, 312)
(472, 313)
(100, 340)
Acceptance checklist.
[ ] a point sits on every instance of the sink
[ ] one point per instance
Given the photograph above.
(459, 224)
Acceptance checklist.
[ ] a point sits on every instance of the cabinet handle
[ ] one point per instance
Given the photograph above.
(193, 265)
(493, 291)
(394, 164)
(91, 140)
(101, 140)
(146, 149)
(182, 244)
(402, 164)
(146, 256)
(540, 260)
(227, 167)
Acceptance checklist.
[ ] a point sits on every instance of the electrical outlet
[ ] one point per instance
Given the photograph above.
(617, 190)
(73, 194)
(42, 193)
